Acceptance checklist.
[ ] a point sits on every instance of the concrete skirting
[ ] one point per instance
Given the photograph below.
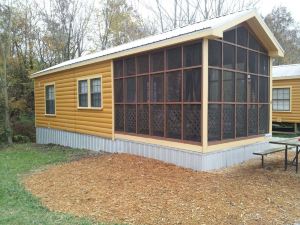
(188, 159)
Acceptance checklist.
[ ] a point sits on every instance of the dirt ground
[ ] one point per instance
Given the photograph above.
(129, 189)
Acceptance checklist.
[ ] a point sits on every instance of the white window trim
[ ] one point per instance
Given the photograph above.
(45, 99)
(89, 78)
(283, 87)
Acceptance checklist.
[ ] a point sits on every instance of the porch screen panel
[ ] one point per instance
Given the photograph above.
(238, 86)
(158, 93)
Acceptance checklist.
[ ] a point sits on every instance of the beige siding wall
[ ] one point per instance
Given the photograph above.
(68, 117)
(294, 115)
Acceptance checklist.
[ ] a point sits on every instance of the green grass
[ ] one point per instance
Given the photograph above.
(19, 207)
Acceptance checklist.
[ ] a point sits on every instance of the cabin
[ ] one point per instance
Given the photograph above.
(198, 96)
(286, 98)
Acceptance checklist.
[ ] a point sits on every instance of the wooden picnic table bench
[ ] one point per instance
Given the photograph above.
(267, 152)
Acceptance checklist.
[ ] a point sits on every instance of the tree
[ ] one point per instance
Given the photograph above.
(287, 32)
(63, 30)
(118, 23)
(177, 13)
(5, 38)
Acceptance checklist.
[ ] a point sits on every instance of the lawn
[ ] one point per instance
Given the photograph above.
(17, 206)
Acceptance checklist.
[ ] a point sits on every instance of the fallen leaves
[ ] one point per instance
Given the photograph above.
(135, 190)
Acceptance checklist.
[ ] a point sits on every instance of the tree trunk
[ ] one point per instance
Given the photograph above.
(5, 94)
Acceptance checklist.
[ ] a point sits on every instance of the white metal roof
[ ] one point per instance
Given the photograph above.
(286, 71)
(208, 28)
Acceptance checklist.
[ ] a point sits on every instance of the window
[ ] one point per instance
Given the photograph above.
(96, 92)
(50, 99)
(162, 96)
(83, 93)
(90, 92)
(282, 99)
(238, 86)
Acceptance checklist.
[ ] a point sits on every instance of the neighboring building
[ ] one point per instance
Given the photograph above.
(286, 98)
(197, 96)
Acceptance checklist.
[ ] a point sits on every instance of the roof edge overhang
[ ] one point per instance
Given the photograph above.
(208, 32)
(261, 30)
(287, 77)
(252, 18)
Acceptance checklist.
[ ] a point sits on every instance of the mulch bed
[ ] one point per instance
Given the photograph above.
(130, 189)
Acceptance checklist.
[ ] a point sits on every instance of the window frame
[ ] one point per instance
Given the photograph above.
(45, 100)
(88, 79)
(290, 99)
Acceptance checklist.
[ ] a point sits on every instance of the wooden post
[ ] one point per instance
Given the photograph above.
(204, 95)
(270, 95)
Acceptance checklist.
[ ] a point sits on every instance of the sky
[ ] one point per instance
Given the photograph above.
(265, 7)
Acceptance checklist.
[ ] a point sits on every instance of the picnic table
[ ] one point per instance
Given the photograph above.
(288, 143)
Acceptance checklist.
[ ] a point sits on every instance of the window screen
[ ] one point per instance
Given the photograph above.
(130, 89)
(214, 53)
(83, 93)
(130, 66)
(229, 56)
(174, 86)
(192, 54)
(252, 88)
(143, 119)
(142, 64)
(229, 36)
(263, 90)
(281, 99)
(174, 57)
(157, 61)
(118, 90)
(157, 88)
(263, 64)
(263, 118)
(192, 85)
(253, 62)
(173, 121)
(241, 87)
(228, 121)
(242, 36)
(252, 120)
(228, 86)
(253, 44)
(50, 99)
(241, 120)
(119, 117)
(214, 83)
(157, 120)
(118, 68)
(191, 122)
(214, 122)
(241, 59)
(130, 118)
(143, 89)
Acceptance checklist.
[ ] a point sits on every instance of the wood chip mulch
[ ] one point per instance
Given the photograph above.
(121, 188)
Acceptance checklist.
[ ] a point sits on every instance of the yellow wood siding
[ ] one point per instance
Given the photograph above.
(294, 115)
(68, 117)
